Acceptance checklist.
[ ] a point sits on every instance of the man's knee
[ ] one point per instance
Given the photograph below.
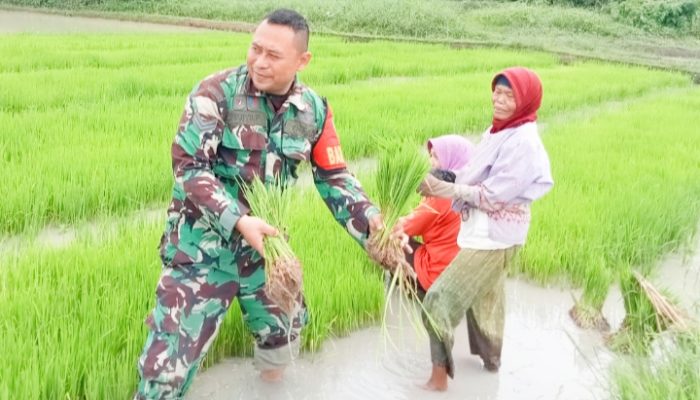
(266, 357)
(278, 341)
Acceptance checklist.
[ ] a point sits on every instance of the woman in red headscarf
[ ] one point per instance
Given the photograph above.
(509, 170)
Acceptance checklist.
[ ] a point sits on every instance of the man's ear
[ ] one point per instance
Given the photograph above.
(304, 60)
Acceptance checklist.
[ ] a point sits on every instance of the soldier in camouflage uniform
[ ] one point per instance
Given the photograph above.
(256, 119)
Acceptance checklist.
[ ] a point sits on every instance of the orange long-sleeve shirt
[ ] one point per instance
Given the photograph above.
(438, 224)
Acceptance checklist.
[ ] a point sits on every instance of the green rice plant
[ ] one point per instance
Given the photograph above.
(598, 33)
(72, 324)
(605, 214)
(72, 318)
(648, 313)
(462, 105)
(71, 158)
(87, 126)
(283, 275)
(412, 18)
(670, 372)
(640, 324)
(587, 311)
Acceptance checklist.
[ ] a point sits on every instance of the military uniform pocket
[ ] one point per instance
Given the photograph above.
(296, 140)
(240, 152)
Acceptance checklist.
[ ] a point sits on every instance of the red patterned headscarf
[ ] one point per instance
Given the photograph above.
(527, 89)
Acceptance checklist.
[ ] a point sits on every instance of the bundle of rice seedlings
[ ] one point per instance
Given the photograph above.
(649, 313)
(283, 275)
(667, 314)
(587, 311)
(401, 170)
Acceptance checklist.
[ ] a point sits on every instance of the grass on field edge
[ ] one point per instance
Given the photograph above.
(239, 26)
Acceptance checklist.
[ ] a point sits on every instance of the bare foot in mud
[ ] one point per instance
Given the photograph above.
(437, 381)
(492, 364)
(434, 387)
(272, 375)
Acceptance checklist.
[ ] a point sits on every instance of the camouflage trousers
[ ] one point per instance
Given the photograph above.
(191, 302)
(473, 284)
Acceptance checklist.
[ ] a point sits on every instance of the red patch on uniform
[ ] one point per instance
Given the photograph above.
(327, 153)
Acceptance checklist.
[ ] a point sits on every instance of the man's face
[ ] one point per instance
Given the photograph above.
(275, 55)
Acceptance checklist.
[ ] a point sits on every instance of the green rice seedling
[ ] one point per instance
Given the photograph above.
(337, 291)
(587, 311)
(72, 324)
(71, 158)
(401, 170)
(605, 213)
(73, 317)
(669, 372)
(87, 127)
(283, 275)
(647, 314)
(462, 106)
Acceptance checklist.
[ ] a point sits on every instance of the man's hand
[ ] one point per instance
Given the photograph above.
(376, 223)
(254, 229)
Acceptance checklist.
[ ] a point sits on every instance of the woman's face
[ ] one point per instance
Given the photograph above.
(434, 162)
(503, 100)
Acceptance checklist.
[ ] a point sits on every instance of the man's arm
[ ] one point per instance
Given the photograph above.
(340, 190)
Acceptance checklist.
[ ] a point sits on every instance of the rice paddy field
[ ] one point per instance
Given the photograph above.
(87, 122)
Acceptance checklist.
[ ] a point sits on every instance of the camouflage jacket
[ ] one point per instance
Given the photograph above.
(230, 132)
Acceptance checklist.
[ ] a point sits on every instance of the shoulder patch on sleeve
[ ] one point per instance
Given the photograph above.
(327, 153)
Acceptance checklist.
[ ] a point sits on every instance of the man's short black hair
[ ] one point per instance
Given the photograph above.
(292, 19)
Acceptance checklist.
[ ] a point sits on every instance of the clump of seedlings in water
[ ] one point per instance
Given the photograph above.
(587, 311)
(648, 313)
(283, 274)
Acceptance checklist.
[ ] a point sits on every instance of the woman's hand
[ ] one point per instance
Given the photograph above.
(432, 186)
(398, 234)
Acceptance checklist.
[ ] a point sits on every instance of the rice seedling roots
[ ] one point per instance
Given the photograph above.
(284, 283)
(589, 318)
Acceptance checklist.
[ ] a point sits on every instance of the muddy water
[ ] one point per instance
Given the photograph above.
(679, 273)
(56, 237)
(545, 355)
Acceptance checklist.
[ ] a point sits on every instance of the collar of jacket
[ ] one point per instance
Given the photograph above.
(295, 97)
